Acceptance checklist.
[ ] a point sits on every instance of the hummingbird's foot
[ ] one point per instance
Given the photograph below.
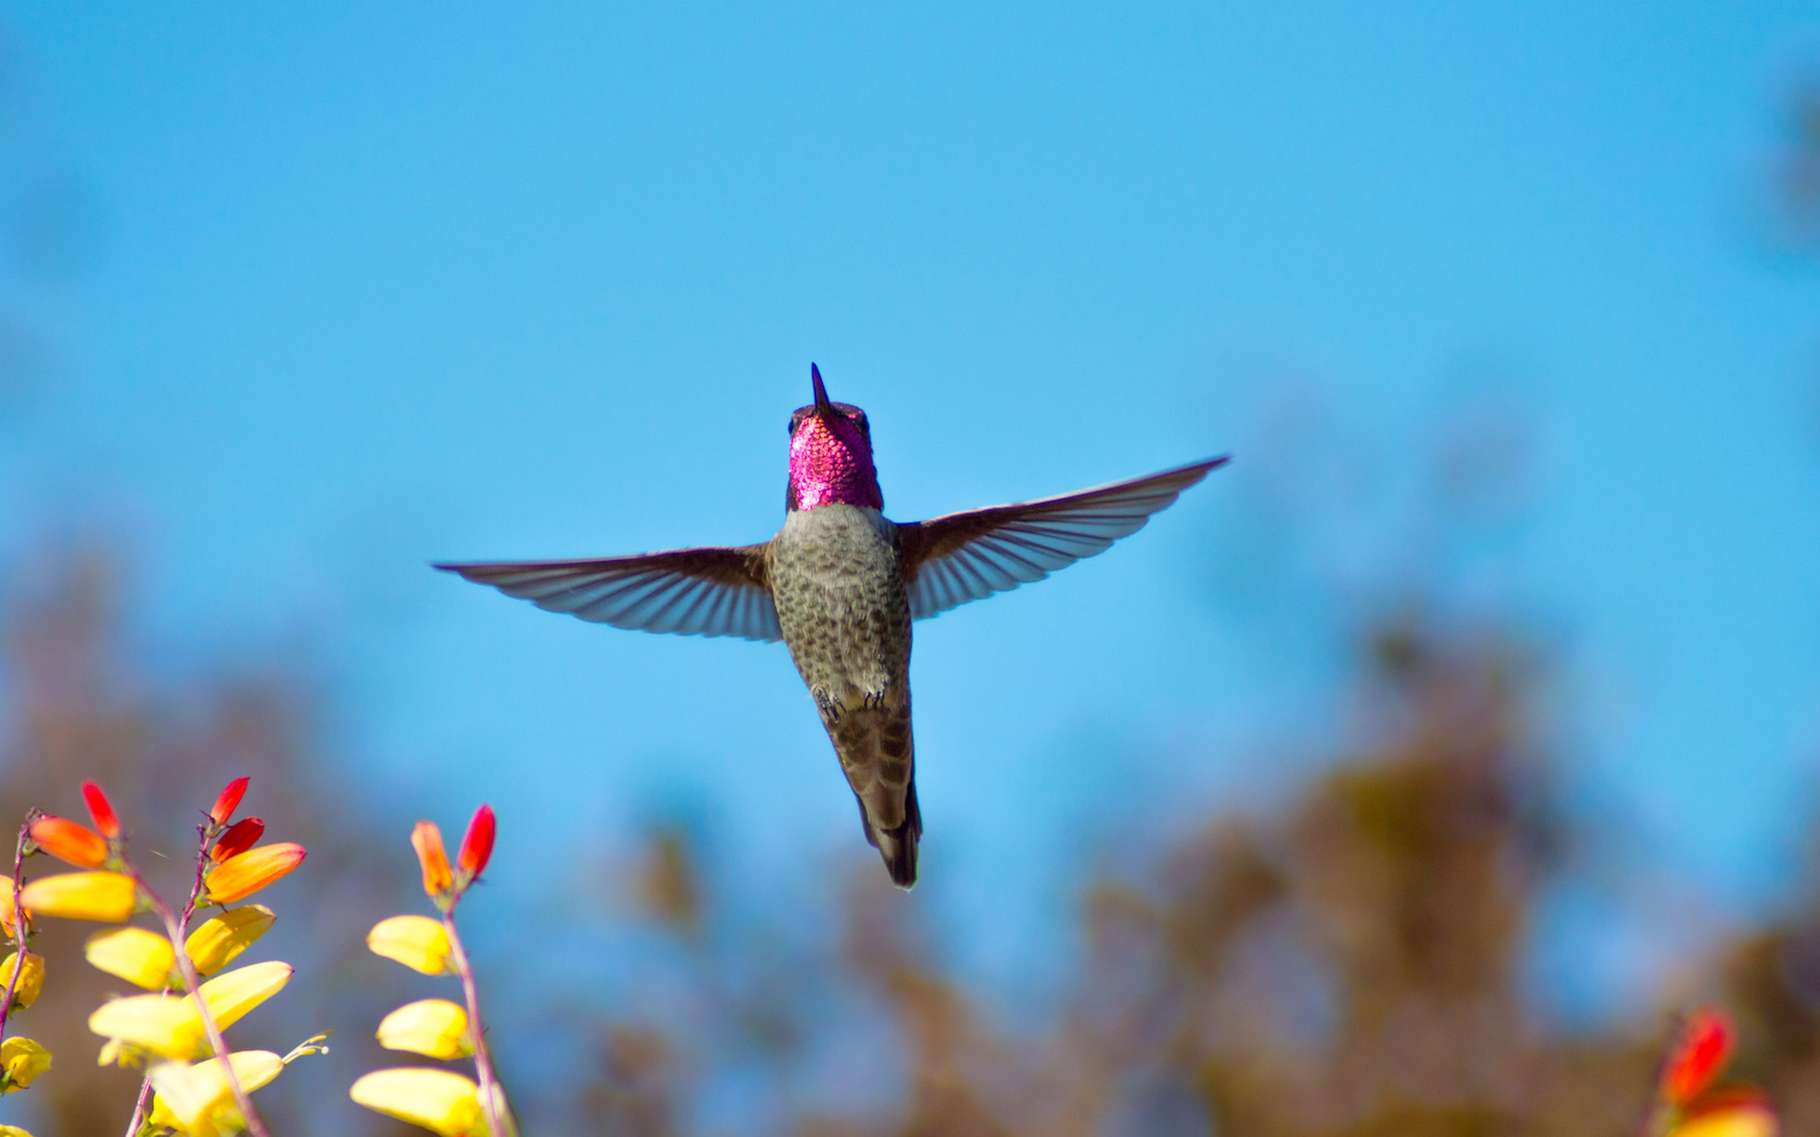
(829, 706)
(876, 699)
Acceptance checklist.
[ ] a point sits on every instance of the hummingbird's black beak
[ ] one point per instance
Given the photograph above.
(822, 404)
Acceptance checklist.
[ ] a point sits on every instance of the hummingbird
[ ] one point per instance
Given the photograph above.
(840, 584)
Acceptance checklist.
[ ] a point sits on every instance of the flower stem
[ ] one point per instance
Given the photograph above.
(12, 981)
(175, 927)
(493, 1101)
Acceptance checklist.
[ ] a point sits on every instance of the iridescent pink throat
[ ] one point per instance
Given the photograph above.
(831, 464)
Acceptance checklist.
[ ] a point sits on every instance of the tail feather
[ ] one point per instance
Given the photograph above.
(897, 846)
(878, 757)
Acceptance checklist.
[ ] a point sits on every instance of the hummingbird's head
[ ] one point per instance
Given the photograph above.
(830, 454)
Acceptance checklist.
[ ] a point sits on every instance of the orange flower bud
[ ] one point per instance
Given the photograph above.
(427, 840)
(238, 839)
(477, 845)
(68, 841)
(246, 873)
(228, 800)
(101, 810)
(1704, 1045)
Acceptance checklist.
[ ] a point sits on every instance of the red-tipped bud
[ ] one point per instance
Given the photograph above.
(477, 845)
(100, 810)
(239, 837)
(68, 841)
(240, 876)
(426, 838)
(228, 800)
(1704, 1045)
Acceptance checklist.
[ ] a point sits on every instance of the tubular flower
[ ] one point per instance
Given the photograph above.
(21, 1060)
(197, 1099)
(418, 942)
(101, 810)
(69, 841)
(477, 845)
(216, 942)
(1704, 1045)
(142, 958)
(109, 897)
(13, 1131)
(434, 1028)
(441, 1101)
(170, 1025)
(238, 839)
(31, 978)
(241, 876)
(426, 838)
(1729, 1113)
(227, 801)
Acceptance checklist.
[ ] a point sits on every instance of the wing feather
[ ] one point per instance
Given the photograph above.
(720, 591)
(969, 556)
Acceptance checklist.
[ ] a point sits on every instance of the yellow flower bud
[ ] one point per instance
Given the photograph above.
(216, 942)
(441, 1101)
(21, 1060)
(1740, 1119)
(418, 942)
(142, 958)
(31, 978)
(13, 1131)
(170, 1025)
(109, 897)
(197, 1099)
(435, 1028)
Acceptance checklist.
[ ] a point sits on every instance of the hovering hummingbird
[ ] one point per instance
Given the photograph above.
(840, 585)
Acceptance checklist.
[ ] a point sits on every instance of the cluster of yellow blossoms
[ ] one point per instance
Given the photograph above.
(181, 1018)
(440, 1100)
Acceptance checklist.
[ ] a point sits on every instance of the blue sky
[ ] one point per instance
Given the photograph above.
(332, 295)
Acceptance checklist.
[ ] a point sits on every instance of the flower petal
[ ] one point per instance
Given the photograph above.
(70, 841)
(240, 876)
(142, 958)
(434, 1028)
(426, 838)
(218, 940)
(31, 978)
(105, 896)
(21, 1060)
(441, 1101)
(418, 942)
(197, 1099)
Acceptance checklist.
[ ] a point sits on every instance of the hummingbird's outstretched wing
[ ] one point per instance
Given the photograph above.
(692, 592)
(968, 556)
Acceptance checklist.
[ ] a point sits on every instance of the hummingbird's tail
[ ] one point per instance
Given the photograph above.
(878, 757)
(897, 846)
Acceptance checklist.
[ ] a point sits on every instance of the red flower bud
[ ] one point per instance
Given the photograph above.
(239, 837)
(228, 800)
(100, 810)
(477, 845)
(1704, 1045)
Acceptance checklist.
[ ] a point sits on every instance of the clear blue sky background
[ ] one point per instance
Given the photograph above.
(323, 297)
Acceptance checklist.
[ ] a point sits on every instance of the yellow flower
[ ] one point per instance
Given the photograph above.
(197, 1099)
(1736, 1117)
(418, 942)
(109, 897)
(142, 958)
(21, 1060)
(435, 1028)
(216, 942)
(6, 909)
(243, 874)
(170, 1025)
(31, 978)
(13, 1131)
(441, 1101)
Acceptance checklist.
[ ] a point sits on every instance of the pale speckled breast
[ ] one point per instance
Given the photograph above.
(841, 602)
